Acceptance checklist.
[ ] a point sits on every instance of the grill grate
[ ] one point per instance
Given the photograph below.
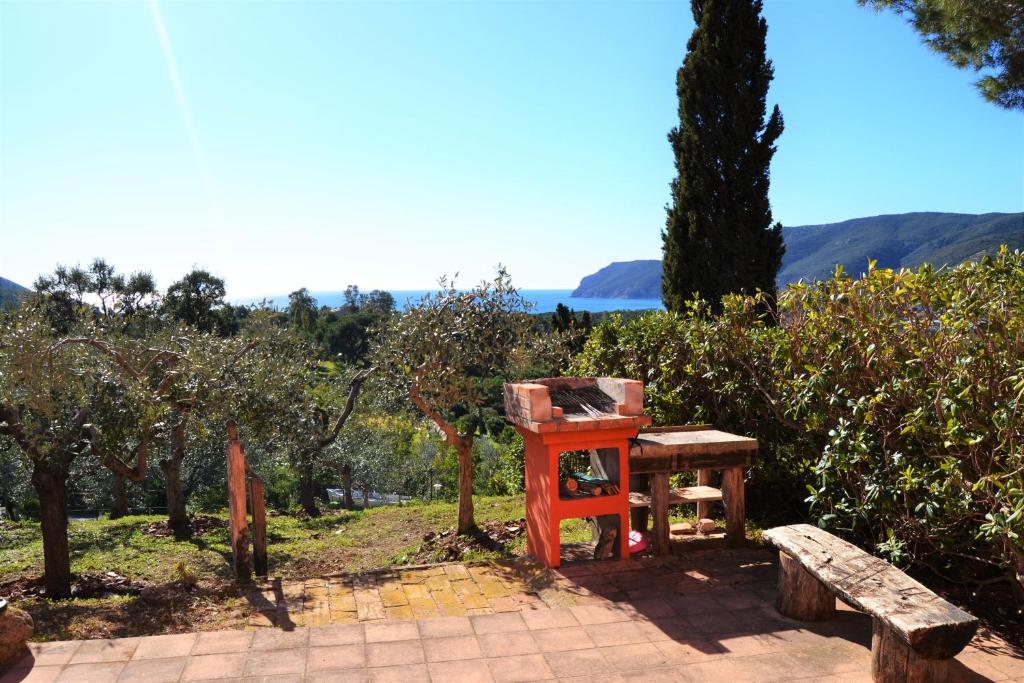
(583, 401)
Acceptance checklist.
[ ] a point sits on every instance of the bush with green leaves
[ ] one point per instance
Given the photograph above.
(895, 401)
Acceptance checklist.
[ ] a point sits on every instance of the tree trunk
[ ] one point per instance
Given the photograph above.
(120, 503)
(53, 509)
(11, 507)
(346, 481)
(465, 449)
(176, 517)
(306, 495)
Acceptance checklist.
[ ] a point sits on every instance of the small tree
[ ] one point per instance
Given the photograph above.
(442, 350)
(719, 238)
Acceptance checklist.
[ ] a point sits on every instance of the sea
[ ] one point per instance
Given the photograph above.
(543, 300)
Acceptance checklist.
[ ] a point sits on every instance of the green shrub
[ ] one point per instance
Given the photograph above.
(895, 400)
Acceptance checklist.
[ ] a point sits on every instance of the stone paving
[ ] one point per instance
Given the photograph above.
(706, 616)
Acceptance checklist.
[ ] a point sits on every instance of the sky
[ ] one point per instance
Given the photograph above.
(384, 144)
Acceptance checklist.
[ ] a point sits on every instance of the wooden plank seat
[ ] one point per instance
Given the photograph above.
(679, 496)
(915, 633)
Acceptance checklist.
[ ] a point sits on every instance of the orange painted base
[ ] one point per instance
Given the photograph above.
(544, 506)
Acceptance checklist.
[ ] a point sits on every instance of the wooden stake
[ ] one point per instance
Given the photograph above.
(259, 526)
(236, 506)
(800, 595)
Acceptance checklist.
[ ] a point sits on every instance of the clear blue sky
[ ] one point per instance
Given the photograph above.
(319, 144)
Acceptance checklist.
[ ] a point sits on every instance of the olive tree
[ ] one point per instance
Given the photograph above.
(60, 402)
(442, 351)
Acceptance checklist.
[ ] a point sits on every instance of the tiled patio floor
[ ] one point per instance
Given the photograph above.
(708, 616)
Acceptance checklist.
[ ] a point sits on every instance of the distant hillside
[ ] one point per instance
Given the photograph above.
(812, 251)
(623, 280)
(906, 240)
(10, 292)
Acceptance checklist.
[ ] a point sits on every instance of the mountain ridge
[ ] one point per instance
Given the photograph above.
(11, 292)
(813, 251)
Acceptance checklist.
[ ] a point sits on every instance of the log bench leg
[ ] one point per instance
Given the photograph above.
(800, 595)
(893, 660)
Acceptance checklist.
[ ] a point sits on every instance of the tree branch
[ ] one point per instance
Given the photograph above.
(119, 359)
(10, 425)
(354, 387)
(451, 434)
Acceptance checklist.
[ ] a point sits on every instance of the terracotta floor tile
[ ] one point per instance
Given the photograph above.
(335, 657)
(445, 627)
(47, 654)
(562, 639)
(687, 651)
(275, 639)
(549, 618)
(407, 673)
(452, 648)
(390, 631)
(394, 653)
(336, 634)
(622, 633)
(38, 674)
(338, 676)
(598, 614)
(271, 662)
(106, 650)
(153, 670)
(508, 644)
(498, 623)
(520, 668)
(220, 665)
(95, 672)
(577, 663)
(634, 656)
(175, 645)
(222, 641)
(462, 671)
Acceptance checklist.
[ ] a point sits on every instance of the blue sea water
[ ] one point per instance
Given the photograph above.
(544, 300)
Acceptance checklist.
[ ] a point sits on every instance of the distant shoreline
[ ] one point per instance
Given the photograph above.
(544, 300)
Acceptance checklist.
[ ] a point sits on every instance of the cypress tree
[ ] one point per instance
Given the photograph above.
(719, 237)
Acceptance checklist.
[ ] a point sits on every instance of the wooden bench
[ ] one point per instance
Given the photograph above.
(915, 633)
(679, 496)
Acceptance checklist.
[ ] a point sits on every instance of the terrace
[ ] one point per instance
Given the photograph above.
(701, 614)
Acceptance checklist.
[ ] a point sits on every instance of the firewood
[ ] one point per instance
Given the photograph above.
(583, 487)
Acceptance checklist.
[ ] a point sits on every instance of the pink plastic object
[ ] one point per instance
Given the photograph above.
(637, 541)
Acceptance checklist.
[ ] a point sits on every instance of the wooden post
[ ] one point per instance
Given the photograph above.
(703, 479)
(236, 506)
(638, 516)
(732, 496)
(659, 512)
(800, 595)
(259, 526)
(893, 660)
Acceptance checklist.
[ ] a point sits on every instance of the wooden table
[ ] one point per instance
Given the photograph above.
(662, 451)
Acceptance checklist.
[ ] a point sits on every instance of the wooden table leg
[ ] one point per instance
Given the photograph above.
(703, 479)
(638, 516)
(732, 493)
(659, 511)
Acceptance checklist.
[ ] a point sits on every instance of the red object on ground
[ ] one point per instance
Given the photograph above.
(597, 413)
(638, 541)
